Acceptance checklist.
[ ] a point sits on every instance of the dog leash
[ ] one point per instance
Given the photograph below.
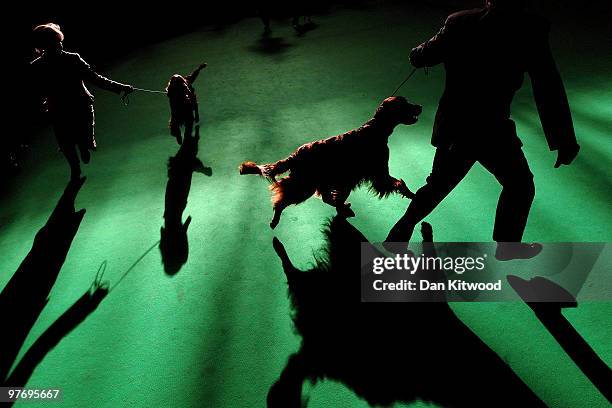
(126, 99)
(408, 77)
(150, 90)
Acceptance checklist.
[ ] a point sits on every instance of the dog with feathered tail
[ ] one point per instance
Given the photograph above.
(331, 168)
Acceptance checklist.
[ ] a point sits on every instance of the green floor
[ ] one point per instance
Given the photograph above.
(218, 333)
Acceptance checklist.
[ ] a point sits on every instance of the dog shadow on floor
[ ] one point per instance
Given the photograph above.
(174, 243)
(27, 293)
(384, 352)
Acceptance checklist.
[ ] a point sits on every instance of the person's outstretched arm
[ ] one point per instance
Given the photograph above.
(433, 51)
(551, 99)
(101, 81)
(191, 78)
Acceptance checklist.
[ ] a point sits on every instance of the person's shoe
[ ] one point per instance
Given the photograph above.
(507, 251)
(85, 155)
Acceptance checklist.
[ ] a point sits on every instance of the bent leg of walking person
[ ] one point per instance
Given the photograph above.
(68, 147)
(511, 170)
(450, 166)
(87, 139)
(69, 151)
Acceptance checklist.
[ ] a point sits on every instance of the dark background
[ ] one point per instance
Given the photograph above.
(103, 31)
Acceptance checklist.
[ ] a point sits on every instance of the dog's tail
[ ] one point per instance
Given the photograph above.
(249, 167)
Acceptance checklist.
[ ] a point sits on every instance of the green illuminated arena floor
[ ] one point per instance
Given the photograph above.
(219, 332)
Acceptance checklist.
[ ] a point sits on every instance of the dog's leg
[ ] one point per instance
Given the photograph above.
(278, 210)
(287, 191)
(343, 207)
(337, 199)
(282, 254)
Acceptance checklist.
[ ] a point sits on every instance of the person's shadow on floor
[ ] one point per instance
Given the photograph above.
(384, 352)
(537, 294)
(174, 243)
(26, 294)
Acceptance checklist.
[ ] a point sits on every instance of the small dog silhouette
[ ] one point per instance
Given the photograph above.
(184, 109)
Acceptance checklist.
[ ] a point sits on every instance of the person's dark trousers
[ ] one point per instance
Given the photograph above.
(69, 148)
(451, 164)
(70, 152)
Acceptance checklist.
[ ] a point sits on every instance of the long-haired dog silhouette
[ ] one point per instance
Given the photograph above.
(335, 166)
(174, 245)
(384, 352)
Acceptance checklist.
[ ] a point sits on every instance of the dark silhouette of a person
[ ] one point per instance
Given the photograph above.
(486, 53)
(59, 78)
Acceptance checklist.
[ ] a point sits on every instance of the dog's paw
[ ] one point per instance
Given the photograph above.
(406, 193)
(402, 188)
(345, 211)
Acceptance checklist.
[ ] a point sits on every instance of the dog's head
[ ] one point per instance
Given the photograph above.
(177, 85)
(396, 109)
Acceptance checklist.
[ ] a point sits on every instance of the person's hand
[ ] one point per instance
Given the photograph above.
(415, 57)
(203, 65)
(127, 89)
(566, 155)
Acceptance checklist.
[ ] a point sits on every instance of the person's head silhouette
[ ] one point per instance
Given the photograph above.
(48, 37)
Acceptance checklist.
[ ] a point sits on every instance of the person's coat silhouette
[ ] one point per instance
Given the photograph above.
(486, 53)
(59, 78)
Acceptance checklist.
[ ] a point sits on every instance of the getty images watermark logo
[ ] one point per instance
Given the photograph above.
(459, 271)
(410, 264)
